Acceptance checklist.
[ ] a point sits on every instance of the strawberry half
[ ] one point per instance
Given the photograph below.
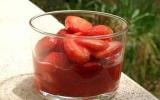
(99, 30)
(92, 66)
(76, 24)
(62, 32)
(45, 45)
(93, 45)
(76, 52)
(57, 59)
(113, 48)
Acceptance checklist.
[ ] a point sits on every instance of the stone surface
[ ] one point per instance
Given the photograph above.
(15, 56)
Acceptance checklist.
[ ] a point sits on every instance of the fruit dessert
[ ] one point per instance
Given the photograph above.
(76, 63)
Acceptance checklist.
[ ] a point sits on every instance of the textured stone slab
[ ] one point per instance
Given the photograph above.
(16, 62)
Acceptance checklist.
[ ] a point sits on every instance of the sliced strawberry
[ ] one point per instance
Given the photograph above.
(44, 70)
(37, 83)
(108, 39)
(76, 52)
(92, 44)
(79, 33)
(115, 71)
(118, 59)
(113, 48)
(59, 47)
(92, 66)
(47, 77)
(77, 24)
(99, 30)
(45, 45)
(41, 67)
(57, 59)
(89, 69)
(112, 61)
(62, 32)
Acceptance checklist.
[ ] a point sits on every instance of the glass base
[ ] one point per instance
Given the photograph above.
(105, 96)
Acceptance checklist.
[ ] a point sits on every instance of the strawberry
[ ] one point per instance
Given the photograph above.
(113, 48)
(115, 71)
(79, 33)
(88, 69)
(37, 83)
(57, 59)
(76, 24)
(112, 61)
(44, 70)
(59, 45)
(92, 44)
(62, 32)
(45, 45)
(76, 52)
(99, 30)
(92, 66)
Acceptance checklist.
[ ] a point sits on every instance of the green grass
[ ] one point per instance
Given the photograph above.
(142, 58)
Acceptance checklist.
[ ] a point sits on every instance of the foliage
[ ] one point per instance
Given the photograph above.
(142, 58)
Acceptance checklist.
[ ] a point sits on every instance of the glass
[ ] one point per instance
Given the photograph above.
(59, 76)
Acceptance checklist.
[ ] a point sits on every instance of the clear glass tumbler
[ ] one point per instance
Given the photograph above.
(62, 76)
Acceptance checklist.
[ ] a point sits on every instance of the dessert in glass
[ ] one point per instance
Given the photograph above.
(83, 58)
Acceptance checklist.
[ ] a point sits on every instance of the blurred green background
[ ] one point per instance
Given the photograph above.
(142, 58)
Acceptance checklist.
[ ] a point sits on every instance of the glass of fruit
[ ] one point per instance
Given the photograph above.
(78, 54)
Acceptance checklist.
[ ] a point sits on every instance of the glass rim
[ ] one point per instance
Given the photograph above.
(79, 11)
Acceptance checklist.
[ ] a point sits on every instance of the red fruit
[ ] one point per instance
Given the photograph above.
(79, 33)
(113, 48)
(76, 24)
(118, 59)
(44, 70)
(37, 83)
(42, 67)
(59, 45)
(92, 44)
(99, 30)
(52, 88)
(107, 39)
(46, 76)
(89, 69)
(76, 52)
(112, 61)
(45, 45)
(62, 32)
(115, 71)
(57, 59)
(92, 66)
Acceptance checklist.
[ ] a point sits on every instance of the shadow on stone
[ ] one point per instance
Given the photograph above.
(26, 91)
